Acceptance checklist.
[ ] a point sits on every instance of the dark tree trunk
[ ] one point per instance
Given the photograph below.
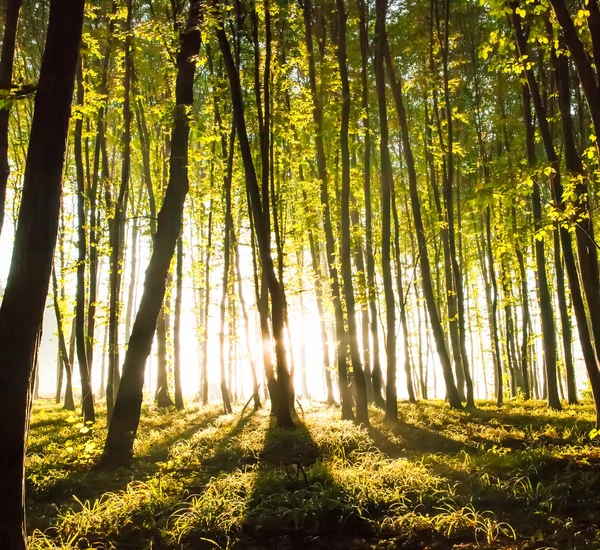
(62, 350)
(132, 290)
(556, 186)
(126, 415)
(362, 412)
(117, 227)
(22, 308)
(87, 399)
(6, 68)
(587, 76)
(436, 325)
(340, 331)
(255, 388)
(315, 255)
(227, 154)
(59, 376)
(584, 230)
(565, 321)
(402, 300)
(204, 388)
(284, 404)
(99, 160)
(391, 409)
(162, 396)
(177, 327)
(371, 289)
(526, 317)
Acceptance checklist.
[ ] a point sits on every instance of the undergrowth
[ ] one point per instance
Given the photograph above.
(517, 477)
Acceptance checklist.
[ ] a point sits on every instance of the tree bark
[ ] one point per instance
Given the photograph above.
(362, 412)
(391, 409)
(436, 325)
(370, 261)
(126, 416)
(340, 331)
(284, 404)
(22, 309)
(62, 349)
(177, 327)
(7, 56)
(87, 399)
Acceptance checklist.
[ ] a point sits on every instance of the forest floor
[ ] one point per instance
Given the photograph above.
(517, 477)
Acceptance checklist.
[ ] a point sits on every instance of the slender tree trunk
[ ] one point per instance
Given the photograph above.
(315, 255)
(117, 227)
(62, 349)
(370, 261)
(556, 186)
(162, 396)
(100, 160)
(436, 325)
(204, 389)
(6, 69)
(126, 415)
(59, 376)
(340, 331)
(22, 309)
(362, 412)
(131, 294)
(255, 388)
(565, 320)
(227, 154)
(525, 316)
(284, 404)
(391, 409)
(177, 327)
(87, 398)
(402, 299)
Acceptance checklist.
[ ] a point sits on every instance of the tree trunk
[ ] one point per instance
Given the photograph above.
(117, 226)
(391, 409)
(62, 349)
(204, 389)
(227, 154)
(284, 404)
(87, 399)
(402, 299)
(255, 388)
(436, 325)
(340, 331)
(315, 255)
(126, 415)
(362, 412)
(6, 69)
(22, 309)
(177, 327)
(371, 288)
(99, 160)
(162, 396)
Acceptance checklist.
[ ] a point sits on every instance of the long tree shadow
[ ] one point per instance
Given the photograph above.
(91, 486)
(66, 480)
(295, 502)
(409, 439)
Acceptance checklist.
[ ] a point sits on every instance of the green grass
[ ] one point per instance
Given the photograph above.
(517, 477)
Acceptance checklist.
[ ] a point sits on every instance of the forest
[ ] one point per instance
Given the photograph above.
(299, 274)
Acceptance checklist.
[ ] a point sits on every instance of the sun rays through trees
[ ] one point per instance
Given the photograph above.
(249, 245)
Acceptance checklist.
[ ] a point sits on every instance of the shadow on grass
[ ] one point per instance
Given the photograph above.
(295, 502)
(87, 483)
(412, 440)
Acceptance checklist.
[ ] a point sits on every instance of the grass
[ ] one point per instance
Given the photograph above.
(517, 477)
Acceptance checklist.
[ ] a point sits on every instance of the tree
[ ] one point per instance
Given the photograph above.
(126, 415)
(22, 307)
